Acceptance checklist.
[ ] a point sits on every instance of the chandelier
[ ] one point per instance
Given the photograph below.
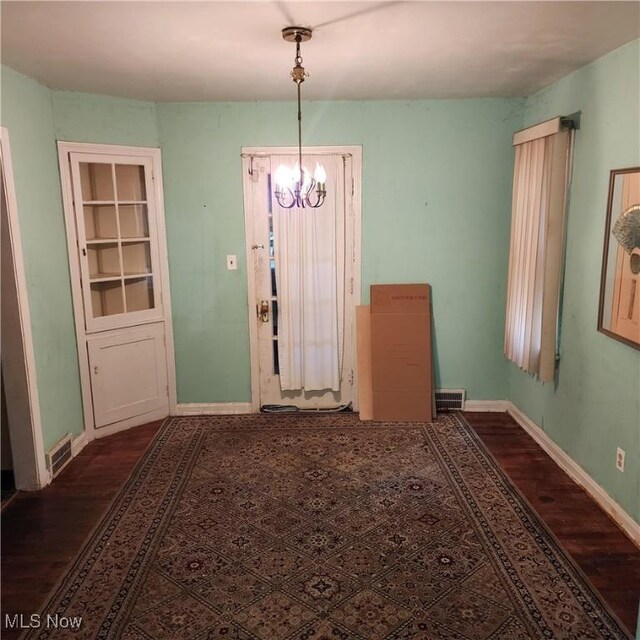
(296, 187)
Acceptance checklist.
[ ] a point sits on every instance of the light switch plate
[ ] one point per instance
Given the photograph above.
(232, 263)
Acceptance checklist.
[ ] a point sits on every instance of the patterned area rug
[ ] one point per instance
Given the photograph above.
(323, 528)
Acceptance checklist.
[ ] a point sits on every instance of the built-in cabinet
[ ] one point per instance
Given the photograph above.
(128, 373)
(118, 264)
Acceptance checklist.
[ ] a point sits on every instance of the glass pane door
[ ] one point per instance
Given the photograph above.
(116, 234)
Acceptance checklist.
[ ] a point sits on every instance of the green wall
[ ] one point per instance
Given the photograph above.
(436, 208)
(595, 405)
(27, 114)
(85, 117)
(36, 117)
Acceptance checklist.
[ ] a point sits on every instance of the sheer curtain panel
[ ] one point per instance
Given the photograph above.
(541, 172)
(309, 255)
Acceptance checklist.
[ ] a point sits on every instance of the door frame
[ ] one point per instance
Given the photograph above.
(27, 446)
(247, 152)
(64, 151)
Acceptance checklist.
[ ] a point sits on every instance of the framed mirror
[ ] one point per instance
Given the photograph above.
(619, 312)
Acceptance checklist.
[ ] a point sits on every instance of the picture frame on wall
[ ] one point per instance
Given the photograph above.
(619, 308)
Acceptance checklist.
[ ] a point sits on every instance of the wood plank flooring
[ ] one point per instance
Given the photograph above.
(608, 558)
(42, 532)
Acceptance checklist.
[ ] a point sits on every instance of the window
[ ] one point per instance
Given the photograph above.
(541, 172)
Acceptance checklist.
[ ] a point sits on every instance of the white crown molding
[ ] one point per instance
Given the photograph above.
(213, 408)
(630, 527)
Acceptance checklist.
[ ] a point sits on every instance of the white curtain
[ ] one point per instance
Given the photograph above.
(309, 256)
(535, 258)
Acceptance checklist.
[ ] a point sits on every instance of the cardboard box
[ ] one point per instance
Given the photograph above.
(363, 333)
(401, 363)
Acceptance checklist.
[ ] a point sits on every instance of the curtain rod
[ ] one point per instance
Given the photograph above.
(572, 121)
(251, 156)
(310, 153)
(547, 128)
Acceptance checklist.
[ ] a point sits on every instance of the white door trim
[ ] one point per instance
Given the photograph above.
(29, 463)
(64, 149)
(356, 155)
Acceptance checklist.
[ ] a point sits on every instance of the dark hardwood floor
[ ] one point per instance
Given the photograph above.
(7, 487)
(42, 532)
(608, 558)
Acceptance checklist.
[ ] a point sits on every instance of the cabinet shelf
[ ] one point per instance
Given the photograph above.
(115, 240)
(119, 243)
(105, 277)
(112, 277)
(111, 203)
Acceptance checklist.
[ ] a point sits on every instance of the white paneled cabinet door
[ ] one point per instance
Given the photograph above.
(128, 374)
(119, 252)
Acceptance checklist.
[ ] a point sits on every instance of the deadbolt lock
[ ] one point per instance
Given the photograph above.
(263, 310)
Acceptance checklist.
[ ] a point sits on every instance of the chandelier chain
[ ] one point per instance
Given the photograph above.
(296, 189)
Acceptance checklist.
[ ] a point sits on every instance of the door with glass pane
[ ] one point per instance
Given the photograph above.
(265, 295)
(117, 283)
(115, 218)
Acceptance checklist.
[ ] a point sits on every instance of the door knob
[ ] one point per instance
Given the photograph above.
(263, 310)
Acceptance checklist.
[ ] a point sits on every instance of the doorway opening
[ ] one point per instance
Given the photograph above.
(21, 424)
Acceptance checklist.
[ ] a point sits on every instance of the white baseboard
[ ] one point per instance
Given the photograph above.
(578, 474)
(213, 408)
(486, 405)
(129, 423)
(79, 443)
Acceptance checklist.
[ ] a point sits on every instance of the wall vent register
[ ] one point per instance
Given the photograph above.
(59, 455)
(450, 399)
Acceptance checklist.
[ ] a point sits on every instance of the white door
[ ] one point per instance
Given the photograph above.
(117, 252)
(128, 373)
(263, 286)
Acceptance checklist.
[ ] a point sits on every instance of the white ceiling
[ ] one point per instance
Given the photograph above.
(186, 50)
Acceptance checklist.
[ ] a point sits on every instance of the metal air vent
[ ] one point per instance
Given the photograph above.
(450, 399)
(59, 455)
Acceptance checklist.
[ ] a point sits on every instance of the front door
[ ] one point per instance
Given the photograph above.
(265, 294)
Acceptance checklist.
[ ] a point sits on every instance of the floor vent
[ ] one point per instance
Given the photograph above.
(450, 399)
(59, 455)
